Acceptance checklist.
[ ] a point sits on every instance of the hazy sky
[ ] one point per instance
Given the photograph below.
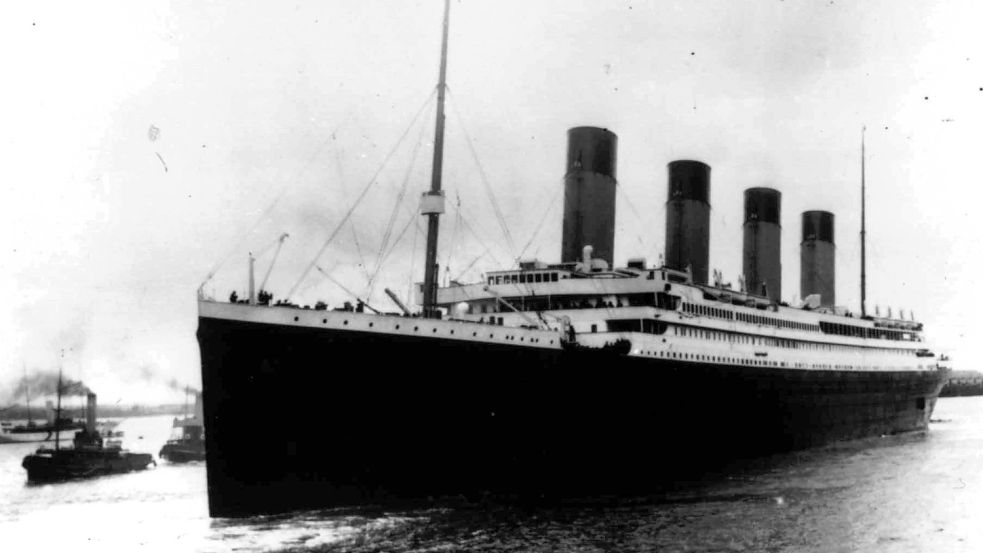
(146, 143)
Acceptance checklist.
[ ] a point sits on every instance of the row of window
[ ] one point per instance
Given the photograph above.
(710, 311)
(774, 321)
(714, 358)
(754, 362)
(548, 303)
(647, 326)
(704, 334)
(865, 332)
(525, 278)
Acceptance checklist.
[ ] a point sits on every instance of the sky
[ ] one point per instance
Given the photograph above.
(149, 147)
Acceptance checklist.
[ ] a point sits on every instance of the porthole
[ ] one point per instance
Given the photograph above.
(452, 332)
(371, 324)
(324, 321)
(435, 330)
(296, 319)
(416, 329)
(474, 333)
(397, 327)
(345, 322)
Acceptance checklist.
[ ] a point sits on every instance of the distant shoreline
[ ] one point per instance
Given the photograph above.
(20, 412)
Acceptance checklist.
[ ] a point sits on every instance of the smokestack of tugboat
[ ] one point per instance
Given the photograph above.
(818, 274)
(90, 413)
(589, 193)
(763, 242)
(688, 218)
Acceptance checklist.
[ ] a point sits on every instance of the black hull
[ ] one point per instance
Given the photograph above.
(69, 464)
(344, 417)
(183, 453)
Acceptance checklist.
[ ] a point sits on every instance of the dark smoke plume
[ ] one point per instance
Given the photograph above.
(152, 374)
(177, 386)
(46, 384)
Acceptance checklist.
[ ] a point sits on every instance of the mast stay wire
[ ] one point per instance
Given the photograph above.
(361, 196)
(453, 240)
(269, 209)
(478, 237)
(389, 252)
(631, 207)
(409, 289)
(496, 208)
(262, 251)
(387, 235)
(346, 290)
(484, 178)
(358, 249)
(344, 193)
(476, 234)
(473, 261)
(276, 254)
(408, 207)
(549, 208)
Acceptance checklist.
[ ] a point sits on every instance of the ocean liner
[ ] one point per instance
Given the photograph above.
(555, 379)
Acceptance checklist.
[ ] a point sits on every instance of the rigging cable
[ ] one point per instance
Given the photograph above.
(410, 208)
(631, 207)
(385, 256)
(358, 250)
(409, 290)
(453, 240)
(477, 235)
(549, 208)
(344, 193)
(484, 179)
(361, 197)
(266, 277)
(347, 291)
(399, 239)
(387, 235)
(473, 261)
(270, 207)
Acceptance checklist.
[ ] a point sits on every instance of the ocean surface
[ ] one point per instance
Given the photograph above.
(921, 492)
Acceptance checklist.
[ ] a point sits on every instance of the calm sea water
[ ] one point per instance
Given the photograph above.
(902, 493)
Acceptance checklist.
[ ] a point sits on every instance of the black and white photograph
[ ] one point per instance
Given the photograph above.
(491, 276)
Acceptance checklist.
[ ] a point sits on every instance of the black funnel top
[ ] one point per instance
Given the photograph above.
(592, 149)
(817, 225)
(763, 205)
(689, 180)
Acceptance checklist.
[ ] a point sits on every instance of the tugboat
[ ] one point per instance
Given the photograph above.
(88, 457)
(188, 438)
(33, 432)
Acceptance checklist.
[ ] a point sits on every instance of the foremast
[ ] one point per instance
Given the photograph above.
(863, 225)
(432, 203)
(58, 412)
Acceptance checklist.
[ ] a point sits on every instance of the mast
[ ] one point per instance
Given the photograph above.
(252, 282)
(58, 412)
(432, 203)
(863, 225)
(27, 396)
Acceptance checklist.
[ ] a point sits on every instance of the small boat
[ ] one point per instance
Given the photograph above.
(90, 455)
(33, 432)
(188, 438)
